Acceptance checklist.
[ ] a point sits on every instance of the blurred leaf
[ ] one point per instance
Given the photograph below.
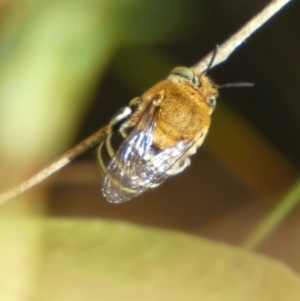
(104, 260)
(52, 54)
(19, 250)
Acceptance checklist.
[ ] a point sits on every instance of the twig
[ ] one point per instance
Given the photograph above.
(224, 51)
(56, 165)
(227, 48)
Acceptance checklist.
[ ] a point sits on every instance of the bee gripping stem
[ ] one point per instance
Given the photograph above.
(223, 52)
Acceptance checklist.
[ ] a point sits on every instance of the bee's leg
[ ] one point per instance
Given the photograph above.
(120, 116)
(121, 121)
(179, 166)
(116, 133)
(103, 156)
(135, 103)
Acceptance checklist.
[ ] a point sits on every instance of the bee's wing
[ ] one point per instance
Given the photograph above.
(138, 165)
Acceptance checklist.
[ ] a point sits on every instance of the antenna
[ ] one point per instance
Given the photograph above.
(212, 59)
(230, 85)
(233, 85)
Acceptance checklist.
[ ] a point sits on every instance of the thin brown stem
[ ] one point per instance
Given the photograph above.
(228, 47)
(55, 166)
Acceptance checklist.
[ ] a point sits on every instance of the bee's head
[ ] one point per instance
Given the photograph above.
(201, 83)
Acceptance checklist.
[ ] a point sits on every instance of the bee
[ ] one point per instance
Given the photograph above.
(154, 136)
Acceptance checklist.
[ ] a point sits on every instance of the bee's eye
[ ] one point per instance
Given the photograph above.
(185, 72)
(212, 102)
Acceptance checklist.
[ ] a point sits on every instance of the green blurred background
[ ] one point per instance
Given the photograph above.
(67, 66)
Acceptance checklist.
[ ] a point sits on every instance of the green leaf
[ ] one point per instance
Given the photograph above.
(107, 260)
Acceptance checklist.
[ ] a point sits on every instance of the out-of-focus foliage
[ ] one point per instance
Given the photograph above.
(52, 54)
(102, 260)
